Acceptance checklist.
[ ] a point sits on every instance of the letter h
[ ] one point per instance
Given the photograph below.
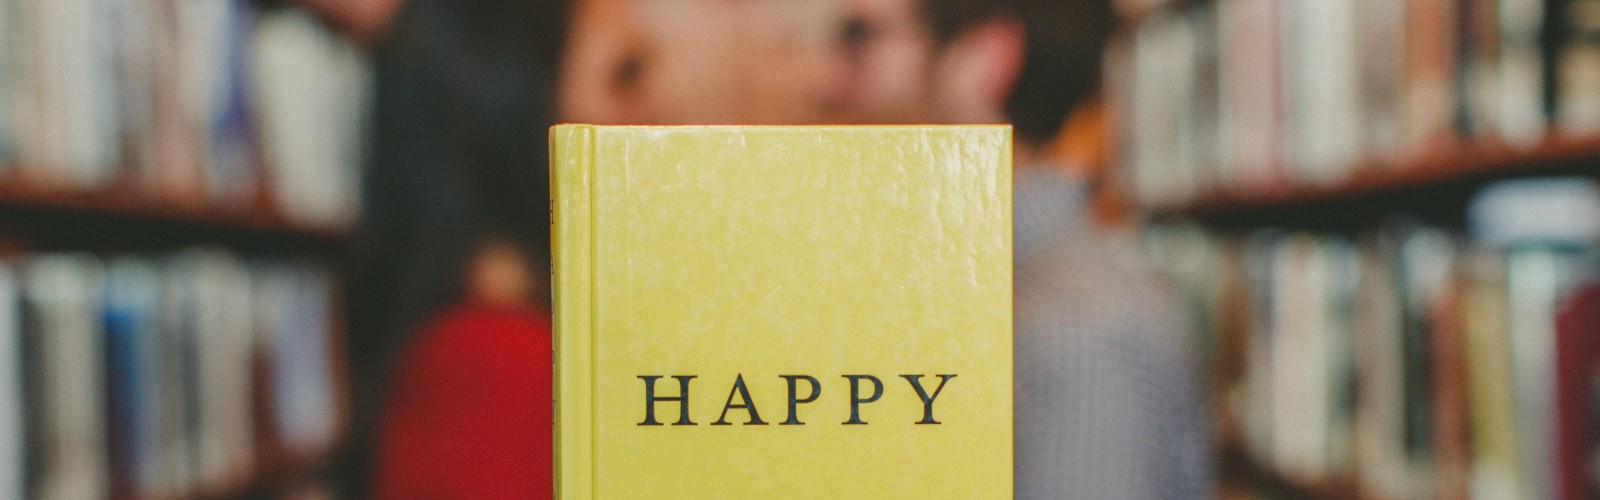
(650, 399)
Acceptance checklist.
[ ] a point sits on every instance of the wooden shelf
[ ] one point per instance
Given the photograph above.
(120, 217)
(1241, 472)
(1444, 175)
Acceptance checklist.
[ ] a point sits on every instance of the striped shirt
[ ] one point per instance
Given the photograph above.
(1106, 381)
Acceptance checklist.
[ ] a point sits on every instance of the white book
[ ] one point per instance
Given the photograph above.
(1161, 97)
(1532, 277)
(224, 348)
(64, 290)
(1522, 80)
(73, 75)
(1321, 84)
(135, 25)
(294, 317)
(1578, 70)
(1380, 345)
(311, 93)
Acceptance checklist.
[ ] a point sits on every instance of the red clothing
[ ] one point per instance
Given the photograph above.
(470, 413)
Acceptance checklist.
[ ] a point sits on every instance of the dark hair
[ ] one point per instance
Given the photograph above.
(1062, 67)
(464, 95)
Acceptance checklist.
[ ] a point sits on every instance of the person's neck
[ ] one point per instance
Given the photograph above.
(1025, 155)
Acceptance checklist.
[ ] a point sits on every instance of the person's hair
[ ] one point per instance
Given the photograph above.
(1065, 46)
(464, 95)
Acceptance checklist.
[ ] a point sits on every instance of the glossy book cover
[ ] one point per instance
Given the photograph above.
(782, 312)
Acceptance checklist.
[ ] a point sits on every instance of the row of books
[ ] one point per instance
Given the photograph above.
(1411, 361)
(165, 376)
(1248, 96)
(192, 103)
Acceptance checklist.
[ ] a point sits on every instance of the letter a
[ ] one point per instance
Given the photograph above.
(747, 405)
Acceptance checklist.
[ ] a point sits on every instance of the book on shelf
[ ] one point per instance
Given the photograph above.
(1412, 360)
(1577, 399)
(310, 135)
(60, 294)
(190, 104)
(13, 450)
(294, 308)
(1250, 97)
(1578, 67)
(135, 376)
(782, 312)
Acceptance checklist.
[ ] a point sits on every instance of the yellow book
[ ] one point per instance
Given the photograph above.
(782, 312)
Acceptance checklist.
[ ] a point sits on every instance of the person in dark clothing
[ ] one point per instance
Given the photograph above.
(455, 203)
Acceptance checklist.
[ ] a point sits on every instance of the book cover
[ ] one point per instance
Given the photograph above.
(782, 312)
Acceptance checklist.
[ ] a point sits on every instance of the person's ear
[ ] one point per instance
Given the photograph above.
(602, 67)
(978, 69)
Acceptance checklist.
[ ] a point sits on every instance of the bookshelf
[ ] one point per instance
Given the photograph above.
(123, 216)
(177, 187)
(1457, 161)
(1383, 252)
(1434, 184)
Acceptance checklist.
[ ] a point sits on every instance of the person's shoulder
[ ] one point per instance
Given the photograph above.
(475, 333)
(1096, 286)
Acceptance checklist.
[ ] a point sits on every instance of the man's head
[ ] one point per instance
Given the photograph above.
(964, 61)
(701, 62)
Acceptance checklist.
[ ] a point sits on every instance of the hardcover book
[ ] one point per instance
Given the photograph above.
(782, 312)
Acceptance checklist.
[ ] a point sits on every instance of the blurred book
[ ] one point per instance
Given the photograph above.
(132, 308)
(187, 103)
(311, 130)
(13, 450)
(293, 318)
(1247, 97)
(135, 377)
(63, 293)
(1418, 362)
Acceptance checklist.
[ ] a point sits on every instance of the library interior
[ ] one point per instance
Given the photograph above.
(1263, 248)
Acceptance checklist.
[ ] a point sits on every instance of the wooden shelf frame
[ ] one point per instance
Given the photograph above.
(1451, 163)
(120, 216)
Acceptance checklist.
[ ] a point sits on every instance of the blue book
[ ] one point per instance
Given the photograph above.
(132, 309)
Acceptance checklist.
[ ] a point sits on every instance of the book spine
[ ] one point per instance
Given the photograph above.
(10, 70)
(572, 236)
(64, 289)
(13, 458)
(1492, 417)
(1578, 87)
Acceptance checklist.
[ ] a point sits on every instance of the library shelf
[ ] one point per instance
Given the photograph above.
(1435, 180)
(122, 217)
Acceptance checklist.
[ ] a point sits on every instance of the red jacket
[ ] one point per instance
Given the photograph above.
(470, 413)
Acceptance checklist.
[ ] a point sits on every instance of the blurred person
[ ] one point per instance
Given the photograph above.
(448, 313)
(701, 62)
(449, 285)
(1106, 388)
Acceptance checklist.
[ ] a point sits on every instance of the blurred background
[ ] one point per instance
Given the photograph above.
(228, 228)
